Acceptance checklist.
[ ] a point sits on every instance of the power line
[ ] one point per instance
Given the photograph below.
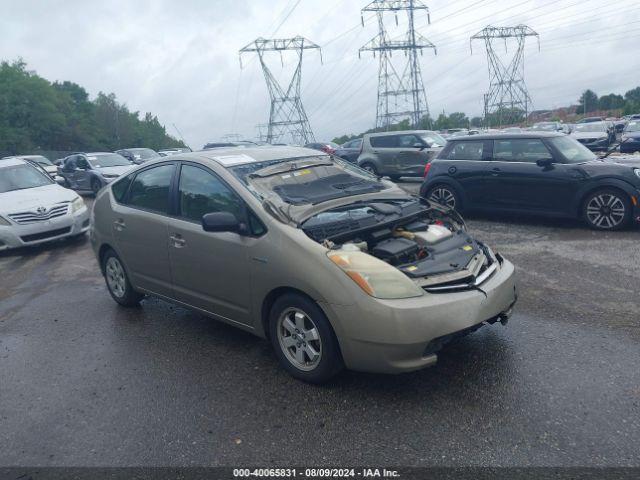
(401, 94)
(287, 117)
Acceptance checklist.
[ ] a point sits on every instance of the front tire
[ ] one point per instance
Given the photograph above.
(118, 283)
(444, 195)
(303, 339)
(371, 168)
(95, 186)
(607, 209)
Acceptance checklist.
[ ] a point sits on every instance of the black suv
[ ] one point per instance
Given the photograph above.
(539, 173)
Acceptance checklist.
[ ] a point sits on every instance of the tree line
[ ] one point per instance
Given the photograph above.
(37, 115)
(589, 102)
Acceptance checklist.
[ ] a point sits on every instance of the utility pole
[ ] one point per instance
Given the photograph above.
(287, 118)
(400, 95)
(508, 92)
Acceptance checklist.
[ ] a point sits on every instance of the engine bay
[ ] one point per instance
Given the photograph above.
(421, 241)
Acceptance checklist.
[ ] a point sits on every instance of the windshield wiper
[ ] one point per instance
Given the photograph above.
(613, 149)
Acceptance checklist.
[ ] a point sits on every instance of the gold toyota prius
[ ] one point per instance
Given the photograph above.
(335, 266)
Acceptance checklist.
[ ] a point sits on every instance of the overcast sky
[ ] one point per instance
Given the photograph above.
(179, 59)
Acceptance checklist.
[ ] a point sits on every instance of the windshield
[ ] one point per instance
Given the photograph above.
(19, 177)
(433, 139)
(572, 150)
(143, 153)
(309, 180)
(632, 127)
(590, 127)
(108, 160)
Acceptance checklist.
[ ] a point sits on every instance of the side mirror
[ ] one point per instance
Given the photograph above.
(544, 162)
(420, 146)
(223, 222)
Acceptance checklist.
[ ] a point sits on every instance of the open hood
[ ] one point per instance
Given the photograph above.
(300, 189)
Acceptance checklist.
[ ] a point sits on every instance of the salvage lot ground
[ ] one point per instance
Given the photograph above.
(83, 382)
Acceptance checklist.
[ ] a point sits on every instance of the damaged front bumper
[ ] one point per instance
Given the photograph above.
(394, 336)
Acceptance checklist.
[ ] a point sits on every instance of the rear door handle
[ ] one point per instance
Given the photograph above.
(495, 172)
(119, 225)
(177, 240)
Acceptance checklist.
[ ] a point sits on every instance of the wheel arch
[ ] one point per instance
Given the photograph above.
(612, 183)
(273, 295)
(448, 181)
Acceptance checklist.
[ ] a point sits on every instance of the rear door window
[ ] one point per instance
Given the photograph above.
(466, 151)
(150, 189)
(525, 150)
(384, 141)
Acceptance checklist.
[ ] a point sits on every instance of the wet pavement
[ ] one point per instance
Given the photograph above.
(84, 382)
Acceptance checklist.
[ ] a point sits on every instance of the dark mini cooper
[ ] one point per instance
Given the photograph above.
(538, 173)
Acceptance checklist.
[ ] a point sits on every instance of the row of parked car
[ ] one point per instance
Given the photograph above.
(538, 171)
(533, 171)
(320, 240)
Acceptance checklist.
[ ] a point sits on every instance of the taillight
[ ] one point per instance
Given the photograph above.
(427, 167)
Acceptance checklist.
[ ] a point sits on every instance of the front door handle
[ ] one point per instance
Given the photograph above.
(495, 171)
(177, 240)
(119, 225)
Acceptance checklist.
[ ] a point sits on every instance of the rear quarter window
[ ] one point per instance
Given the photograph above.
(119, 188)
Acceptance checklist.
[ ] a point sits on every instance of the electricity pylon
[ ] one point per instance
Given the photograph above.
(287, 116)
(508, 96)
(401, 92)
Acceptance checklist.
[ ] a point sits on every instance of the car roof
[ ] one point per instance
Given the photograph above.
(231, 156)
(497, 136)
(398, 132)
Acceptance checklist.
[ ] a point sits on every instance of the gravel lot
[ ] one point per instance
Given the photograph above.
(86, 383)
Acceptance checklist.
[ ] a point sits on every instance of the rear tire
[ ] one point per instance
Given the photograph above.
(607, 209)
(444, 195)
(118, 282)
(303, 339)
(371, 168)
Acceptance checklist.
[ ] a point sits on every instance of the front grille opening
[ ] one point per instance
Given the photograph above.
(42, 235)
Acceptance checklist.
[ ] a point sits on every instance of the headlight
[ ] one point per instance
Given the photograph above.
(3, 222)
(77, 204)
(637, 172)
(375, 277)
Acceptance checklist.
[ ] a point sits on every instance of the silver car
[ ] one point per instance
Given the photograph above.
(34, 209)
(336, 267)
(92, 171)
(399, 154)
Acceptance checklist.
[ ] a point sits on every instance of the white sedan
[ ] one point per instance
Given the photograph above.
(35, 209)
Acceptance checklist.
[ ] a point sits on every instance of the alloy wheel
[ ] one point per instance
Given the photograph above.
(299, 339)
(115, 277)
(443, 196)
(606, 211)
